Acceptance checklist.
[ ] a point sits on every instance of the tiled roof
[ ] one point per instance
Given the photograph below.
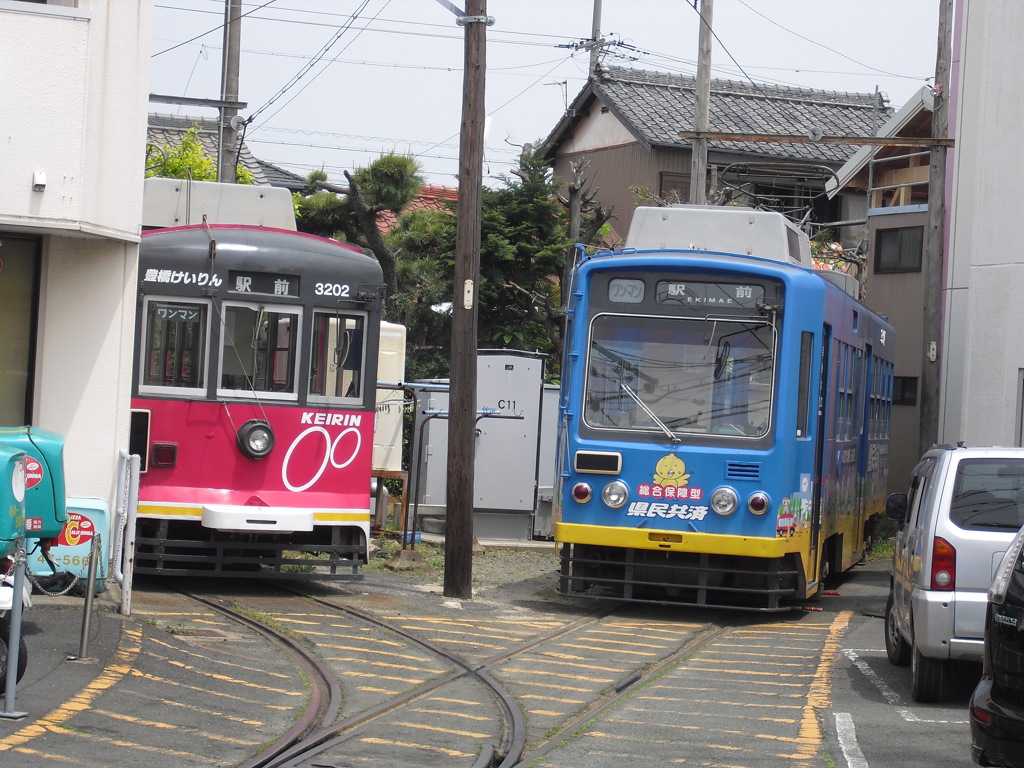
(655, 107)
(166, 130)
(430, 197)
(279, 177)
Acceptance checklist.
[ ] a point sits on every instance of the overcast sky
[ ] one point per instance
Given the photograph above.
(333, 83)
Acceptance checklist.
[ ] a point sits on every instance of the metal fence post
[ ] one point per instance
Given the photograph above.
(14, 639)
(90, 592)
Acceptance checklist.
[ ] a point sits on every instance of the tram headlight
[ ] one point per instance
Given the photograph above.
(759, 503)
(724, 501)
(255, 438)
(581, 492)
(615, 494)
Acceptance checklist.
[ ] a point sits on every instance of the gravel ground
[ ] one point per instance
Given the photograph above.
(506, 573)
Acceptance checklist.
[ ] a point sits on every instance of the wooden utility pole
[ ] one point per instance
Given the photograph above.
(229, 90)
(934, 261)
(701, 108)
(458, 541)
(595, 40)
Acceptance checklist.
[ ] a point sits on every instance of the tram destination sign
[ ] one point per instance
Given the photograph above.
(704, 294)
(262, 283)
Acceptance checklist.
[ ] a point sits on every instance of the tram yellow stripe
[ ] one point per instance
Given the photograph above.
(164, 510)
(671, 541)
(196, 513)
(341, 517)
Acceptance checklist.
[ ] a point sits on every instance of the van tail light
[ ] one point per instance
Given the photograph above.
(943, 565)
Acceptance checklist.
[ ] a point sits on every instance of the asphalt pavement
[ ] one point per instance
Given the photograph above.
(870, 721)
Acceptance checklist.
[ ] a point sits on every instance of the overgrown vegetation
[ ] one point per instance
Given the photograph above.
(188, 160)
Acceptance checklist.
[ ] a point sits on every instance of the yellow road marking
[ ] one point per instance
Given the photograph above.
(128, 650)
(416, 745)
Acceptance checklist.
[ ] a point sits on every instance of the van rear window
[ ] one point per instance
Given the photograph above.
(988, 493)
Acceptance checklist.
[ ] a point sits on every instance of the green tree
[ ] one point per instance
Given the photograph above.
(424, 242)
(352, 213)
(525, 239)
(188, 160)
(522, 252)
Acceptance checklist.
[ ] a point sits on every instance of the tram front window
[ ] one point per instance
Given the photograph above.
(336, 362)
(259, 346)
(708, 375)
(175, 345)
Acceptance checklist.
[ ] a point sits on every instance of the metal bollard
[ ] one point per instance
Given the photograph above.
(90, 592)
(14, 641)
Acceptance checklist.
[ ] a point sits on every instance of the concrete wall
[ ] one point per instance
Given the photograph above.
(900, 296)
(984, 281)
(74, 83)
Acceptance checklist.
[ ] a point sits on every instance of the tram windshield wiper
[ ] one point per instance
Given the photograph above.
(654, 417)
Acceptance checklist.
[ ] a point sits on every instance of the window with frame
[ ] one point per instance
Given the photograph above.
(259, 348)
(337, 358)
(803, 407)
(174, 347)
(899, 249)
(904, 390)
(675, 187)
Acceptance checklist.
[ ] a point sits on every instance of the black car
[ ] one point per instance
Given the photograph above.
(997, 706)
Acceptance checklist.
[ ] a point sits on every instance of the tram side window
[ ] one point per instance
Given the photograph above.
(803, 407)
(336, 362)
(175, 345)
(259, 349)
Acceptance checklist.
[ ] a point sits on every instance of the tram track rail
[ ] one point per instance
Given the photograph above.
(317, 731)
(324, 728)
(242, 673)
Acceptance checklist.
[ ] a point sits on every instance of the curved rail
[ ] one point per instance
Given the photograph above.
(325, 694)
(317, 731)
(512, 747)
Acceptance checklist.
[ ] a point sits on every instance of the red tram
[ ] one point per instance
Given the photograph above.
(253, 401)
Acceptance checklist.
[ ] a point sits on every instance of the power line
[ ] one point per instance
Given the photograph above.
(386, 139)
(820, 44)
(312, 62)
(218, 28)
(380, 30)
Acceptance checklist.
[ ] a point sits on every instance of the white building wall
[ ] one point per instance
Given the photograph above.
(43, 91)
(984, 282)
(74, 87)
(600, 129)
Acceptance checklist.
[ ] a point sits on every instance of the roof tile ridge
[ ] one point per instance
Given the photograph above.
(745, 88)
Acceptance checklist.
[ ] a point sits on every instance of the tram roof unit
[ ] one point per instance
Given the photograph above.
(177, 202)
(725, 229)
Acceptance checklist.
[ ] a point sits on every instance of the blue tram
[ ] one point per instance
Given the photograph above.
(724, 416)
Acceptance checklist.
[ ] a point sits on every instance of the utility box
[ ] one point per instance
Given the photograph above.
(387, 432)
(509, 401)
(45, 513)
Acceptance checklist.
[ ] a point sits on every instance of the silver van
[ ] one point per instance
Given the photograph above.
(961, 513)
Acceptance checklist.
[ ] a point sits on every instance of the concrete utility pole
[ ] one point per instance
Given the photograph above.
(935, 241)
(701, 108)
(229, 90)
(458, 540)
(595, 40)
